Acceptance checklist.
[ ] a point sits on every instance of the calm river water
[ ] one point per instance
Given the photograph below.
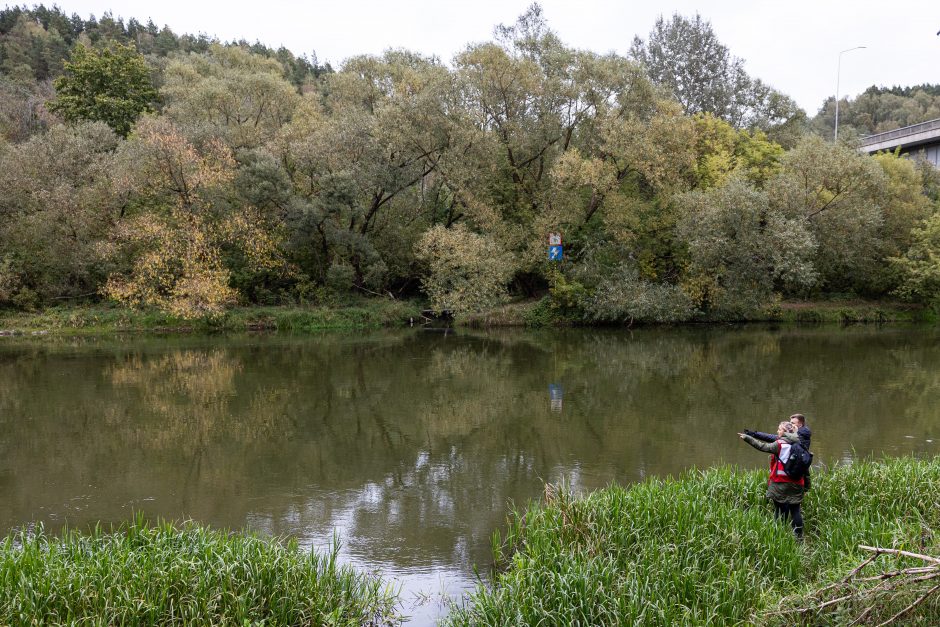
(410, 444)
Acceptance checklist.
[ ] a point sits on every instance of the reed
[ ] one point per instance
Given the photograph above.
(164, 574)
(702, 549)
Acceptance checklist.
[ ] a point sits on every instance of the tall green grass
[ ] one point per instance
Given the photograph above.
(162, 574)
(700, 550)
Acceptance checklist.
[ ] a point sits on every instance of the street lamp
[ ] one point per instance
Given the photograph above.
(835, 135)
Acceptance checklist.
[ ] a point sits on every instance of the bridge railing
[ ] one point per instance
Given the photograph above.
(898, 133)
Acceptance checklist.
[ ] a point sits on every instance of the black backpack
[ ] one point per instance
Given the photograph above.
(797, 465)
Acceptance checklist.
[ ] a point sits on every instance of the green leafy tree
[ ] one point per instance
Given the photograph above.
(558, 139)
(58, 202)
(920, 265)
(22, 109)
(228, 93)
(739, 247)
(625, 296)
(111, 85)
(365, 168)
(904, 204)
(175, 250)
(28, 51)
(840, 194)
(685, 56)
(466, 271)
(722, 150)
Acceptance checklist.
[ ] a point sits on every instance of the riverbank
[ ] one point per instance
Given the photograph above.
(704, 549)
(541, 313)
(92, 320)
(374, 313)
(162, 575)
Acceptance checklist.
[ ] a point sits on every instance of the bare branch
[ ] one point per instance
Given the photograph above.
(907, 609)
(878, 551)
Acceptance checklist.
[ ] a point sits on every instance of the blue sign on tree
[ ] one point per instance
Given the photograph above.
(554, 253)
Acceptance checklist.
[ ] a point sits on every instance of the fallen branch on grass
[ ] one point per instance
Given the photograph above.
(855, 589)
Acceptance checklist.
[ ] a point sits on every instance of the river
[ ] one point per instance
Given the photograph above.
(410, 444)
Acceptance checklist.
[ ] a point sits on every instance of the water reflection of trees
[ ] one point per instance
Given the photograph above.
(415, 442)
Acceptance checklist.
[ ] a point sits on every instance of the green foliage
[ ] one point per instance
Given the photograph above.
(110, 85)
(905, 204)
(35, 42)
(840, 195)
(920, 264)
(348, 314)
(541, 315)
(22, 109)
(701, 549)
(268, 179)
(163, 574)
(28, 49)
(685, 56)
(722, 151)
(740, 248)
(626, 297)
(228, 93)
(58, 202)
(466, 271)
(878, 110)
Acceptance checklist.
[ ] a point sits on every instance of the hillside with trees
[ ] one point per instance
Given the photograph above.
(215, 174)
(880, 109)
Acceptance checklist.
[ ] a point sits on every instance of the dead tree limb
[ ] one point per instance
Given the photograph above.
(889, 585)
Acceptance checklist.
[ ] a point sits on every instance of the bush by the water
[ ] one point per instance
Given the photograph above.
(165, 575)
(705, 550)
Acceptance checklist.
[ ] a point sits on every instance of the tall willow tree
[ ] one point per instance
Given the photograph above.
(228, 93)
(59, 199)
(363, 163)
(561, 130)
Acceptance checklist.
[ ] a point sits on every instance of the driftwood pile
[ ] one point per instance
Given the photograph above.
(870, 591)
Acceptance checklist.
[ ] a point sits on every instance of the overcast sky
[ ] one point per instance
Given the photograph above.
(793, 45)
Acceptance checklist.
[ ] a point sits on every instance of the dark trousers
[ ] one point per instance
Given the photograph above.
(793, 513)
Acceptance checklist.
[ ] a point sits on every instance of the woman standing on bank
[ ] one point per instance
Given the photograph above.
(786, 493)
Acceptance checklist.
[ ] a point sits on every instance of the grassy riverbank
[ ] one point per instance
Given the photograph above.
(704, 549)
(161, 575)
(542, 313)
(359, 314)
(373, 313)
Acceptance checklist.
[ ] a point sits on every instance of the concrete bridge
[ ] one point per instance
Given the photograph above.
(921, 140)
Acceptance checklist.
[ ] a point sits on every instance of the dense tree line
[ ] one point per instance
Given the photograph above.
(195, 176)
(879, 109)
(35, 42)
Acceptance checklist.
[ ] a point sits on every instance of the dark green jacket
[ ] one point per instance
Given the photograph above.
(790, 493)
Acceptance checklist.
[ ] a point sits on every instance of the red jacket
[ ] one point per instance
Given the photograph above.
(777, 461)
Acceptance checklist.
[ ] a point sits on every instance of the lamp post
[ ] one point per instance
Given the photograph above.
(835, 135)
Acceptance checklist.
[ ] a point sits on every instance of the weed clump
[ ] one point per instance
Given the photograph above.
(164, 574)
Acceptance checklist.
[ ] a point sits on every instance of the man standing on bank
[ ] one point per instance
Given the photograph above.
(798, 421)
(786, 493)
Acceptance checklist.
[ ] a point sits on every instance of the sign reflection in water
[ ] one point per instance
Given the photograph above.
(411, 444)
(555, 396)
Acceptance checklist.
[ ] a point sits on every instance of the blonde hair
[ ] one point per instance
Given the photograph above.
(787, 427)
